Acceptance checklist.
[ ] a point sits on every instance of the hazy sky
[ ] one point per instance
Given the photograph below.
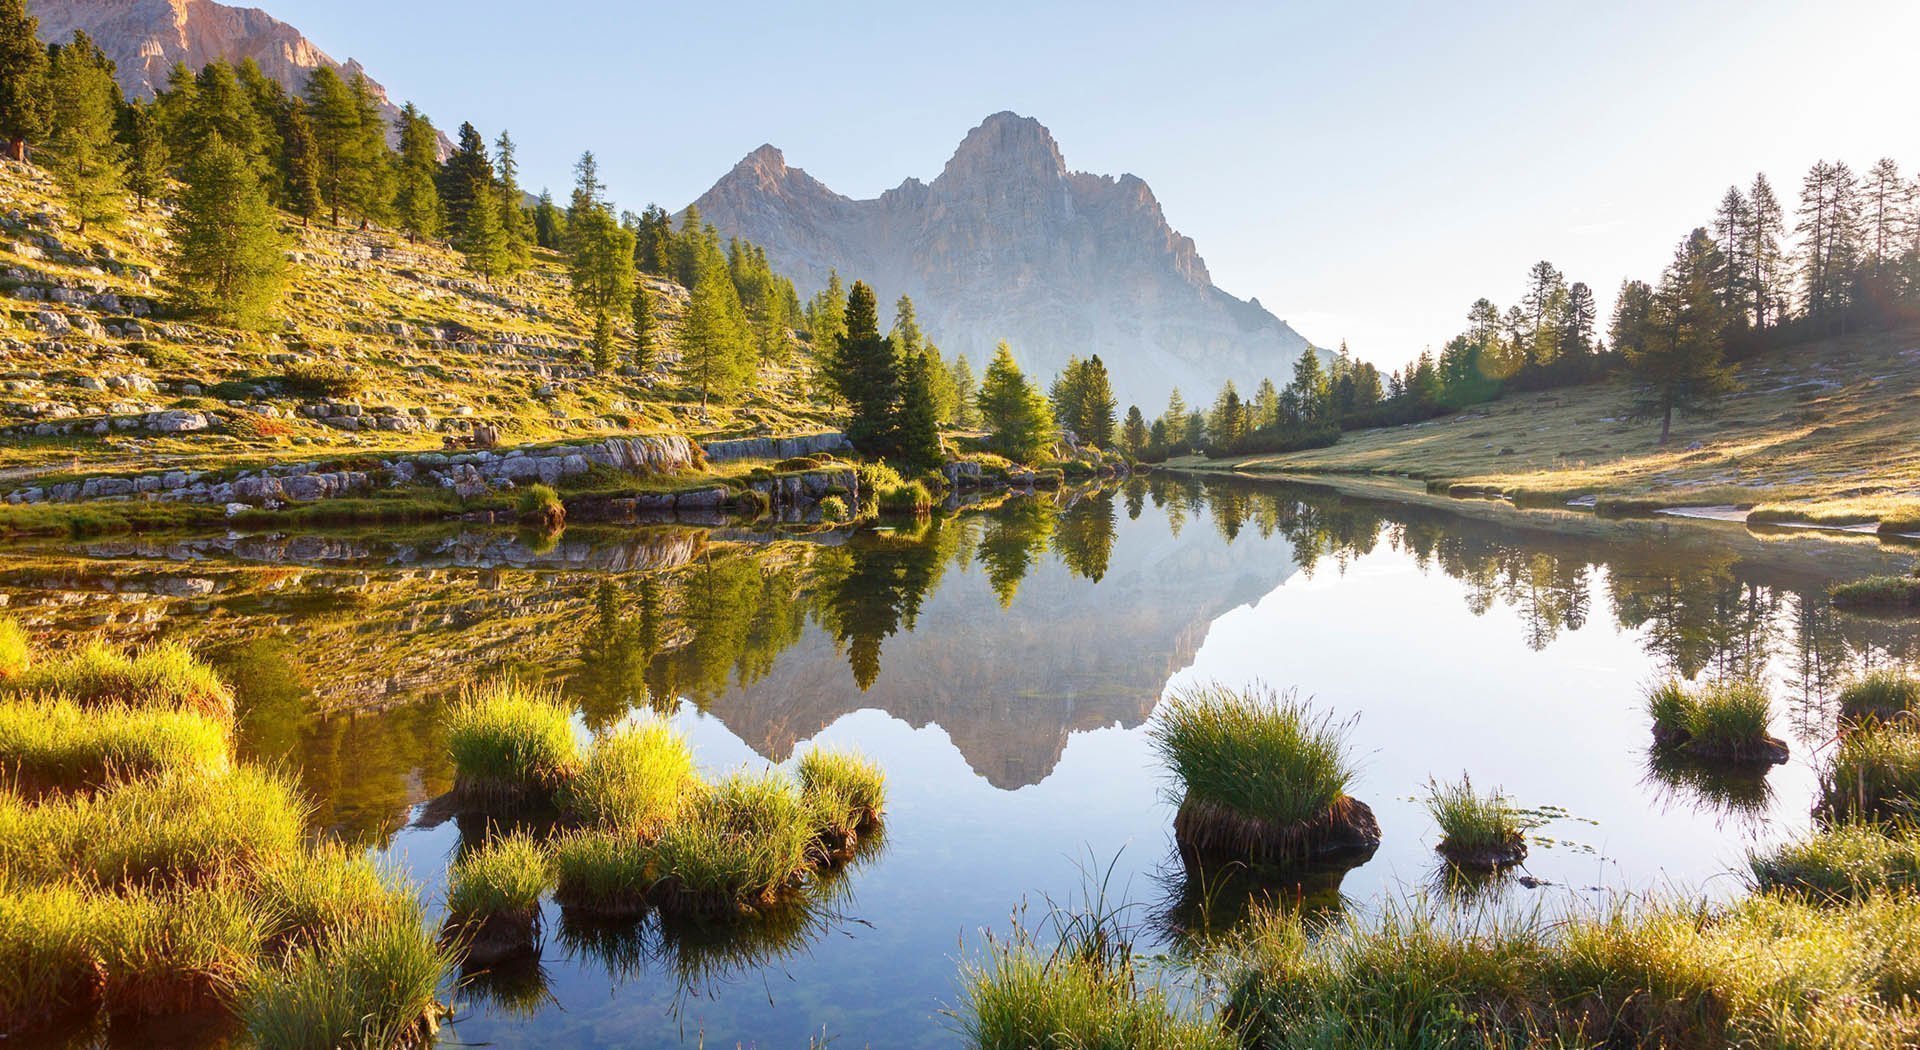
(1366, 170)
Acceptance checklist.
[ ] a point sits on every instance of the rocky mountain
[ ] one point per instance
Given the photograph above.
(145, 38)
(1008, 243)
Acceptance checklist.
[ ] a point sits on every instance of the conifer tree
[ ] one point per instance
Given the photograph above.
(376, 199)
(1175, 418)
(146, 152)
(549, 223)
(513, 215)
(916, 438)
(82, 148)
(303, 194)
(1305, 398)
(483, 241)
(417, 199)
(1134, 434)
(1097, 404)
(1677, 366)
(868, 373)
(26, 109)
(966, 414)
(341, 166)
(1631, 311)
(1577, 321)
(228, 256)
(1266, 406)
(1730, 225)
(1764, 257)
(1887, 200)
(1018, 417)
(466, 177)
(646, 329)
(826, 319)
(716, 353)
(1226, 425)
(600, 265)
(219, 105)
(1828, 232)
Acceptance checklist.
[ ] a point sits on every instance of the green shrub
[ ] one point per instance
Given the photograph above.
(636, 778)
(319, 379)
(1883, 695)
(1253, 752)
(371, 986)
(833, 510)
(54, 745)
(505, 876)
(1845, 862)
(512, 745)
(164, 676)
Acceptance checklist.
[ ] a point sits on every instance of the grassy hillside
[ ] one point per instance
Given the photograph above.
(89, 358)
(1824, 432)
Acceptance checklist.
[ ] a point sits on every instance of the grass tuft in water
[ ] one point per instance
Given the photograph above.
(743, 845)
(1874, 776)
(1480, 831)
(505, 876)
(171, 952)
(166, 676)
(601, 874)
(512, 746)
(369, 986)
(314, 893)
(636, 778)
(1845, 862)
(1879, 593)
(1883, 696)
(50, 969)
(845, 794)
(51, 745)
(1722, 721)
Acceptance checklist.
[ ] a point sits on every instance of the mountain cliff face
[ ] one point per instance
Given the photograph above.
(145, 38)
(1007, 243)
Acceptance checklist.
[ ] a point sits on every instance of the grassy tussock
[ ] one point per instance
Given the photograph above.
(1722, 720)
(1879, 593)
(745, 843)
(50, 970)
(506, 876)
(512, 745)
(1023, 999)
(1767, 972)
(166, 676)
(1847, 862)
(56, 745)
(1481, 830)
(845, 793)
(169, 830)
(370, 986)
(637, 778)
(1874, 775)
(1882, 695)
(16, 650)
(1255, 752)
(314, 893)
(601, 873)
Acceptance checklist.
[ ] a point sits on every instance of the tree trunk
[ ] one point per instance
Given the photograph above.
(1666, 425)
(17, 150)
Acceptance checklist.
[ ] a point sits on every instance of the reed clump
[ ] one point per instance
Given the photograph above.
(1896, 594)
(512, 746)
(166, 676)
(1479, 831)
(493, 899)
(1874, 776)
(1884, 695)
(1262, 778)
(1721, 722)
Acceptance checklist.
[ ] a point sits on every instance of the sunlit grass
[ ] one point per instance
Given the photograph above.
(370, 986)
(1020, 998)
(312, 893)
(1845, 862)
(844, 792)
(50, 969)
(637, 778)
(56, 745)
(601, 873)
(1723, 720)
(1474, 827)
(16, 650)
(171, 952)
(512, 744)
(1881, 695)
(165, 676)
(505, 876)
(1874, 775)
(1253, 752)
(1889, 593)
(744, 844)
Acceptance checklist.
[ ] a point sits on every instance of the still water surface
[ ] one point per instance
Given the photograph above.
(1002, 664)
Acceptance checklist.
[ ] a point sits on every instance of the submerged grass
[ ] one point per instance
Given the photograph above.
(1882, 695)
(1476, 830)
(1874, 775)
(1726, 721)
(636, 778)
(56, 745)
(166, 676)
(1845, 862)
(512, 745)
(370, 986)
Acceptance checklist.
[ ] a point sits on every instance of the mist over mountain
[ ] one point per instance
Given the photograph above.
(1008, 243)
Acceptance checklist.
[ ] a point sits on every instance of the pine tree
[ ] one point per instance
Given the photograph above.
(1888, 201)
(1828, 232)
(1765, 260)
(228, 256)
(716, 353)
(341, 168)
(483, 242)
(1134, 434)
(966, 414)
(1266, 406)
(916, 430)
(1577, 320)
(868, 374)
(417, 200)
(1632, 310)
(146, 153)
(82, 149)
(646, 329)
(466, 177)
(1730, 226)
(599, 264)
(1305, 398)
(589, 193)
(513, 214)
(1546, 292)
(549, 223)
(1018, 417)
(1677, 367)
(1175, 418)
(303, 194)
(26, 109)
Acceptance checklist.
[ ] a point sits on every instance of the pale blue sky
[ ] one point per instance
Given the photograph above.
(1366, 170)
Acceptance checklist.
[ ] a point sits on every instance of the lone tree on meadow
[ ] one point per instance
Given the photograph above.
(229, 260)
(1674, 362)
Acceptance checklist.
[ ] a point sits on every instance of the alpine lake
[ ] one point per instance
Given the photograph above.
(1002, 663)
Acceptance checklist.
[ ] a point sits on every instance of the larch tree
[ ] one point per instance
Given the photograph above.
(466, 177)
(303, 193)
(600, 266)
(82, 148)
(716, 349)
(1828, 232)
(966, 414)
(916, 429)
(417, 196)
(228, 258)
(1677, 365)
(1097, 404)
(1631, 310)
(1887, 200)
(513, 215)
(646, 329)
(1764, 257)
(482, 240)
(1546, 293)
(1018, 417)
(26, 110)
(1730, 226)
(341, 167)
(1577, 320)
(146, 153)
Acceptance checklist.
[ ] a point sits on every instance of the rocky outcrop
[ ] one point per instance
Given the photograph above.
(1007, 243)
(145, 38)
(776, 447)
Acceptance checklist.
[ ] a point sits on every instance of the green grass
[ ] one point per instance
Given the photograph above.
(636, 778)
(1474, 825)
(1255, 753)
(1883, 695)
(512, 744)
(102, 519)
(314, 893)
(601, 873)
(833, 510)
(1766, 972)
(1719, 720)
(172, 952)
(167, 830)
(539, 505)
(370, 986)
(164, 676)
(55, 745)
(909, 497)
(845, 792)
(50, 968)
(16, 649)
(1879, 593)
(505, 876)
(1874, 775)
(1845, 862)
(1023, 999)
(744, 844)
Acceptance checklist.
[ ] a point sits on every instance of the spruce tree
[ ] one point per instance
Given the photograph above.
(1677, 365)
(1097, 404)
(549, 223)
(26, 109)
(1066, 395)
(340, 166)
(482, 241)
(1175, 418)
(600, 265)
(646, 329)
(82, 148)
(868, 374)
(716, 353)
(916, 437)
(228, 256)
(417, 197)
(1134, 434)
(1767, 224)
(1014, 411)
(966, 414)
(466, 177)
(370, 145)
(513, 214)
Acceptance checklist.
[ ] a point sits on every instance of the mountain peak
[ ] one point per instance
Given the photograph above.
(1006, 145)
(767, 159)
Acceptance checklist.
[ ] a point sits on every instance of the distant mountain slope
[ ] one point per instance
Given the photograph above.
(1007, 243)
(145, 38)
